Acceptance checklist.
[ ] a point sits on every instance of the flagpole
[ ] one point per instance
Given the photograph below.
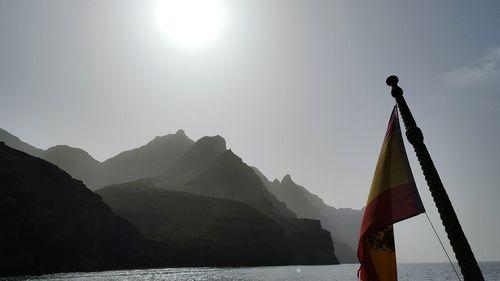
(463, 252)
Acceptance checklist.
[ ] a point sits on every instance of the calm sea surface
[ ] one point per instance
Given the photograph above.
(345, 272)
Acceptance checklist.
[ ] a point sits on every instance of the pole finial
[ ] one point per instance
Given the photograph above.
(396, 91)
(392, 81)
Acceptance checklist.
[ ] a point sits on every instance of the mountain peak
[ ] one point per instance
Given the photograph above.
(149, 160)
(180, 135)
(64, 147)
(67, 150)
(287, 179)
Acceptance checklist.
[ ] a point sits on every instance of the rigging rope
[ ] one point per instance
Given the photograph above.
(442, 246)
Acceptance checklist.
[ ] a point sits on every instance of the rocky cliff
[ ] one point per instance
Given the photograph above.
(53, 223)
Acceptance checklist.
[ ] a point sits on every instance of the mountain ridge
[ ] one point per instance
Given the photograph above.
(343, 223)
(145, 161)
(16, 143)
(149, 160)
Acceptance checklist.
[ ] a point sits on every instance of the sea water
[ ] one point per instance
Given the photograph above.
(344, 272)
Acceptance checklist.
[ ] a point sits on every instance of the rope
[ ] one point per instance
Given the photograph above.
(442, 246)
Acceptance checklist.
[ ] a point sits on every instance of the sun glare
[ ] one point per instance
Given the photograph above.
(190, 23)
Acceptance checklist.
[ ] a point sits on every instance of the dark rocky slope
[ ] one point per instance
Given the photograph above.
(53, 223)
(200, 230)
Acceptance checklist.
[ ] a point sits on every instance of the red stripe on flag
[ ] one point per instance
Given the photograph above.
(389, 207)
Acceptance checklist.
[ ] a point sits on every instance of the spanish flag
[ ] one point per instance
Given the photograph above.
(393, 197)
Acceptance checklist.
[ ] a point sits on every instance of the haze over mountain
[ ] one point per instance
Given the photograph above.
(151, 159)
(298, 87)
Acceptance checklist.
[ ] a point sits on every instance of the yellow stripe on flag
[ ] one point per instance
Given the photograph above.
(390, 171)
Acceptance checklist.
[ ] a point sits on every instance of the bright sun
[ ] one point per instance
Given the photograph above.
(190, 23)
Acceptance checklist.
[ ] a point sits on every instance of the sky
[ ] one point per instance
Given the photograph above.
(295, 87)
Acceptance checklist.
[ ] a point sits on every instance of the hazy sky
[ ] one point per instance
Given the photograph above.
(295, 87)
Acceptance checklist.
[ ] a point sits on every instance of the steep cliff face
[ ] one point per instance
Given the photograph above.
(199, 230)
(310, 243)
(53, 223)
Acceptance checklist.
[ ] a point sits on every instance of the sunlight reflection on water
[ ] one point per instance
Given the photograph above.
(345, 272)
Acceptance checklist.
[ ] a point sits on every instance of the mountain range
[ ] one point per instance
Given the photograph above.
(175, 164)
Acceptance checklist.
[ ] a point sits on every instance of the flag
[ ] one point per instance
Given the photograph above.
(393, 197)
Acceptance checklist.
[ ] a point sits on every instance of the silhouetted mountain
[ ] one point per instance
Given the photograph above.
(214, 231)
(343, 224)
(197, 159)
(53, 223)
(203, 231)
(150, 160)
(203, 168)
(14, 142)
(76, 162)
